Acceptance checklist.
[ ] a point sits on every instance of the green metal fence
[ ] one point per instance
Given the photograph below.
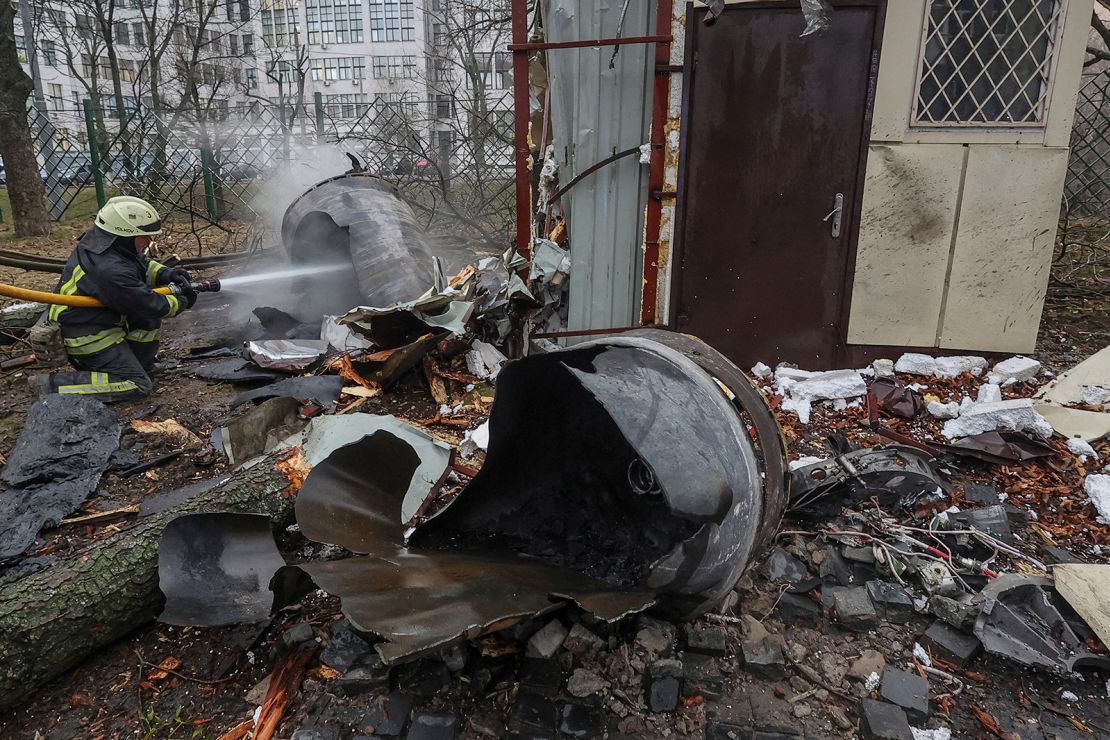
(451, 159)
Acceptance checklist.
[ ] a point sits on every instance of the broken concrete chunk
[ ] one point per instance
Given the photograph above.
(709, 640)
(830, 385)
(1097, 488)
(907, 690)
(883, 368)
(955, 366)
(955, 613)
(915, 363)
(761, 370)
(853, 609)
(1082, 448)
(891, 601)
(1015, 415)
(345, 650)
(1018, 367)
(545, 642)
(782, 567)
(583, 683)
(989, 393)
(581, 640)
(940, 410)
(869, 661)
(950, 645)
(1095, 395)
(882, 721)
(663, 686)
(763, 658)
(795, 608)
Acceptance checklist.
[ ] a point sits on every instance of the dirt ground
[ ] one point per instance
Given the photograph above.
(175, 682)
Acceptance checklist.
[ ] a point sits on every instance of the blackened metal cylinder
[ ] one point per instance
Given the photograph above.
(361, 221)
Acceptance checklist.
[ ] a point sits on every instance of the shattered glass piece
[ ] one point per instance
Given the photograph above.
(289, 355)
(1019, 622)
(215, 569)
(235, 370)
(320, 389)
(66, 445)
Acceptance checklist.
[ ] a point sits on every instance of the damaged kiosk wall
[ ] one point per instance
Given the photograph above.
(624, 474)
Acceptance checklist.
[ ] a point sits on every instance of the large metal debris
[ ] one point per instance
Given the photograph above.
(64, 448)
(656, 474)
(360, 222)
(215, 569)
(1019, 621)
(901, 477)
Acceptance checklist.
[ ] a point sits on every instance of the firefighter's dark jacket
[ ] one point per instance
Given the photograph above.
(108, 268)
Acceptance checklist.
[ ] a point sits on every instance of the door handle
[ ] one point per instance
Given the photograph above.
(837, 215)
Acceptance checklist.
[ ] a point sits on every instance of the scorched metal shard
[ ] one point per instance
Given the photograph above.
(623, 474)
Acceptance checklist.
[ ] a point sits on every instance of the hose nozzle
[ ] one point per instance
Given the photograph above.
(211, 285)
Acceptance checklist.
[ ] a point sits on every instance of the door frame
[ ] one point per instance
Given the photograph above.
(694, 27)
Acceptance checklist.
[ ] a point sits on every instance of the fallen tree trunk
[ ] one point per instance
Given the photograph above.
(53, 619)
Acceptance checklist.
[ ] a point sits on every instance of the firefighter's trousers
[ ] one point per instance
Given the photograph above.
(111, 365)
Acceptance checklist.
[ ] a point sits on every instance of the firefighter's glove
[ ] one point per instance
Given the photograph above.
(190, 297)
(178, 276)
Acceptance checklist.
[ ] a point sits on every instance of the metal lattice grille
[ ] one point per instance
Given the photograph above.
(987, 62)
(1087, 188)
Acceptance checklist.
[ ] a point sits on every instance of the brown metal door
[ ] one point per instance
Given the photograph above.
(774, 131)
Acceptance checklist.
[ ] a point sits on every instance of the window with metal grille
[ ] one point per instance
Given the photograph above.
(395, 67)
(987, 62)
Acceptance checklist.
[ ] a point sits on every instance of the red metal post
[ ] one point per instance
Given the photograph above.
(521, 116)
(654, 217)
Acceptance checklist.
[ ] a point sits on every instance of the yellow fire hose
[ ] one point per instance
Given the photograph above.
(39, 296)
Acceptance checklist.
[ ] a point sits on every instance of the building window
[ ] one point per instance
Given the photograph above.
(281, 71)
(444, 106)
(138, 34)
(252, 78)
(987, 63)
(395, 67)
(121, 34)
(334, 21)
(345, 106)
(279, 23)
(392, 20)
(494, 68)
(21, 48)
(54, 95)
(49, 54)
(248, 44)
(399, 102)
(339, 68)
(84, 26)
(126, 70)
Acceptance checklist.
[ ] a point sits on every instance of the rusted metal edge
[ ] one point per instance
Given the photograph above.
(654, 214)
(521, 110)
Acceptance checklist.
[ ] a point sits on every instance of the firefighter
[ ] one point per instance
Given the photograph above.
(113, 347)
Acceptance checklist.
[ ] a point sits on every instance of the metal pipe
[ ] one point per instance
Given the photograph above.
(585, 44)
(521, 115)
(654, 216)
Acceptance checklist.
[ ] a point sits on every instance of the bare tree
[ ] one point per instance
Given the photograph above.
(1099, 53)
(25, 188)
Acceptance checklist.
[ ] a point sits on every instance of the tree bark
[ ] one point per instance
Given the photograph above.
(53, 619)
(25, 188)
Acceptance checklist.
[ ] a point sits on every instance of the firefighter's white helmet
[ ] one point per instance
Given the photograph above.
(126, 215)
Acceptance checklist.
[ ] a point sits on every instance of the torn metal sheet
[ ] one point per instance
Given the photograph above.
(340, 336)
(65, 446)
(399, 325)
(896, 399)
(1086, 588)
(215, 569)
(1019, 622)
(235, 371)
(901, 477)
(999, 448)
(1054, 399)
(362, 222)
(319, 389)
(422, 601)
(288, 355)
(277, 324)
(327, 434)
(642, 473)
(260, 430)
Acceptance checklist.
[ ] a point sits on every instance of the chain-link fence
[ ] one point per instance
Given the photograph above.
(1087, 187)
(451, 159)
